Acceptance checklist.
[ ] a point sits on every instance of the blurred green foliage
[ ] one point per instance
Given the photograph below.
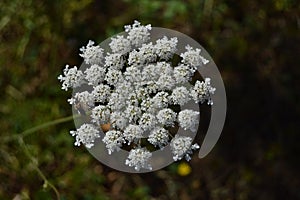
(254, 43)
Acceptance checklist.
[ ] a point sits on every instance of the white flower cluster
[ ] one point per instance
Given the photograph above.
(181, 146)
(203, 91)
(134, 88)
(139, 158)
(188, 119)
(86, 134)
(193, 58)
(91, 54)
(72, 78)
(137, 33)
(113, 140)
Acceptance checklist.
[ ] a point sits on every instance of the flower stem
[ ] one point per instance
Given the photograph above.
(23, 145)
(35, 165)
(47, 124)
(39, 127)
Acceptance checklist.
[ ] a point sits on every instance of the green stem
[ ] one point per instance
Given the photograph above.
(19, 138)
(39, 127)
(47, 124)
(34, 162)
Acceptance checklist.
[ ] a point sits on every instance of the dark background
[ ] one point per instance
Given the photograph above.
(256, 46)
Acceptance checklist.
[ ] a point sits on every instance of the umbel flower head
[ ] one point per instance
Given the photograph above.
(138, 88)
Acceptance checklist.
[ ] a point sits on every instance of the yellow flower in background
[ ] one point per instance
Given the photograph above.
(184, 169)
